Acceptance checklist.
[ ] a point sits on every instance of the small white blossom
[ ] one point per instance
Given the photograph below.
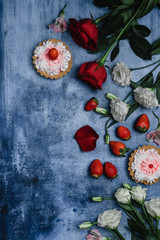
(123, 195)
(121, 74)
(119, 109)
(145, 97)
(153, 207)
(138, 194)
(109, 219)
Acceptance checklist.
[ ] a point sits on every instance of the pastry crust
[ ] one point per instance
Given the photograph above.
(62, 73)
(131, 159)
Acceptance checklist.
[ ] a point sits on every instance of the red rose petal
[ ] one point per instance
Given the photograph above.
(86, 137)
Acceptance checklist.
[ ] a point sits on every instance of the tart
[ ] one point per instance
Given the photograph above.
(52, 59)
(144, 165)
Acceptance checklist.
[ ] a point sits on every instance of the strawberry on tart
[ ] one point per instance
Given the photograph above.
(144, 165)
(52, 59)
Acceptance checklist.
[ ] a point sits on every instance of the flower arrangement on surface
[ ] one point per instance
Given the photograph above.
(143, 215)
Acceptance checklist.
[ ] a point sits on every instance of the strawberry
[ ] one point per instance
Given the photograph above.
(96, 168)
(53, 53)
(110, 170)
(123, 133)
(91, 104)
(142, 123)
(118, 148)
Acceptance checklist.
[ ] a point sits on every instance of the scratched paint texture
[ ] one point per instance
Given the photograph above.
(44, 182)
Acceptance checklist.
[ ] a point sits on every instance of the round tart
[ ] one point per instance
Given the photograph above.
(52, 59)
(144, 165)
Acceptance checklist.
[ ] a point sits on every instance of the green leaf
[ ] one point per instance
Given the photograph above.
(147, 81)
(106, 3)
(104, 44)
(141, 30)
(151, 237)
(141, 47)
(134, 84)
(127, 16)
(125, 206)
(127, 2)
(158, 94)
(118, 9)
(114, 52)
(132, 109)
(148, 5)
(135, 236)
(157, 82)
(112, 24)
(156, 47)
(135, 226)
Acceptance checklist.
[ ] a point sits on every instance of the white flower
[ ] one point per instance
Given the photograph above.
(138, 194)
(121, 74)
(119, 109)
(153, 207)
(123, 195)
(109, 219)
(145, 97)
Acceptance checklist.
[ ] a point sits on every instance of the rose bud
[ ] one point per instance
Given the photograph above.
(93, 74)
(84, 33)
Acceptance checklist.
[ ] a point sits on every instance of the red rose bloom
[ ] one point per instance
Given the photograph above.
(84, 33)
(93, 74)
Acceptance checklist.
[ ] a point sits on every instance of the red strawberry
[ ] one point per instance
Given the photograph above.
(53, 53)
(118, 148)
(110, 170)
(142, 123)
(96, 168)
(123, 133)
(91, 104)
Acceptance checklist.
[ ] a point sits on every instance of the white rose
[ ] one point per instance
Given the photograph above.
(119, 109)
(138, 194)
(145, 97)
(121, 74)
(109, 219)
(123, 195)
(153, 207)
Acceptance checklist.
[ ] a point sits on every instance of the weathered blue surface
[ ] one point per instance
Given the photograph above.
(44, 181)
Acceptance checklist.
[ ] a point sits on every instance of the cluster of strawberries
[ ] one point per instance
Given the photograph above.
(118, 148)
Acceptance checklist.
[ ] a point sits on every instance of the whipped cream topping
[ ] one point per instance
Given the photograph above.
(146, 165)
(52, 67)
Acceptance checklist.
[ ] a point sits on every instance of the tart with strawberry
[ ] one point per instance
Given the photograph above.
(52, 59)
(144, 165)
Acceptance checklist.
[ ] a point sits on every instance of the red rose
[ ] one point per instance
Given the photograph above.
(92, 75)
(84, 33)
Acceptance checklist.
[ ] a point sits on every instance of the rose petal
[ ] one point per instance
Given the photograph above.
(86, 137)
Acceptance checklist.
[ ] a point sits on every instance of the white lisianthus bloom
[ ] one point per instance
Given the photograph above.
(119, 109)
(121, 74)
(109, 219)
(138, 194)
(145, 97)
(123, 195)
(153, 207)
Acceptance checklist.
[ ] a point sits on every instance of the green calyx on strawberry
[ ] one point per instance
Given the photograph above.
(142, 123)
(96, 168)
(118, 148)
(91, 104)
(110, 170)
(123, 133)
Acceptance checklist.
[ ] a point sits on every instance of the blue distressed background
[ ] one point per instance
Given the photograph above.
(44, 181)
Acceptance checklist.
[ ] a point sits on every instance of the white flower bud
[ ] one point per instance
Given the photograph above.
(123, 195)
(85, 225)
(153, 207)
(138, 194)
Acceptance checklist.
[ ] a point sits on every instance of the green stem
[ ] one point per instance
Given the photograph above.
(127, 96)
(158, 228)
(141, 80)
(108, 198)
(103, 58)
(133, 69)
(149, 222)
(62, 12)
(158, 127)
(101, 18)
(112, 233)
(119, 234)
